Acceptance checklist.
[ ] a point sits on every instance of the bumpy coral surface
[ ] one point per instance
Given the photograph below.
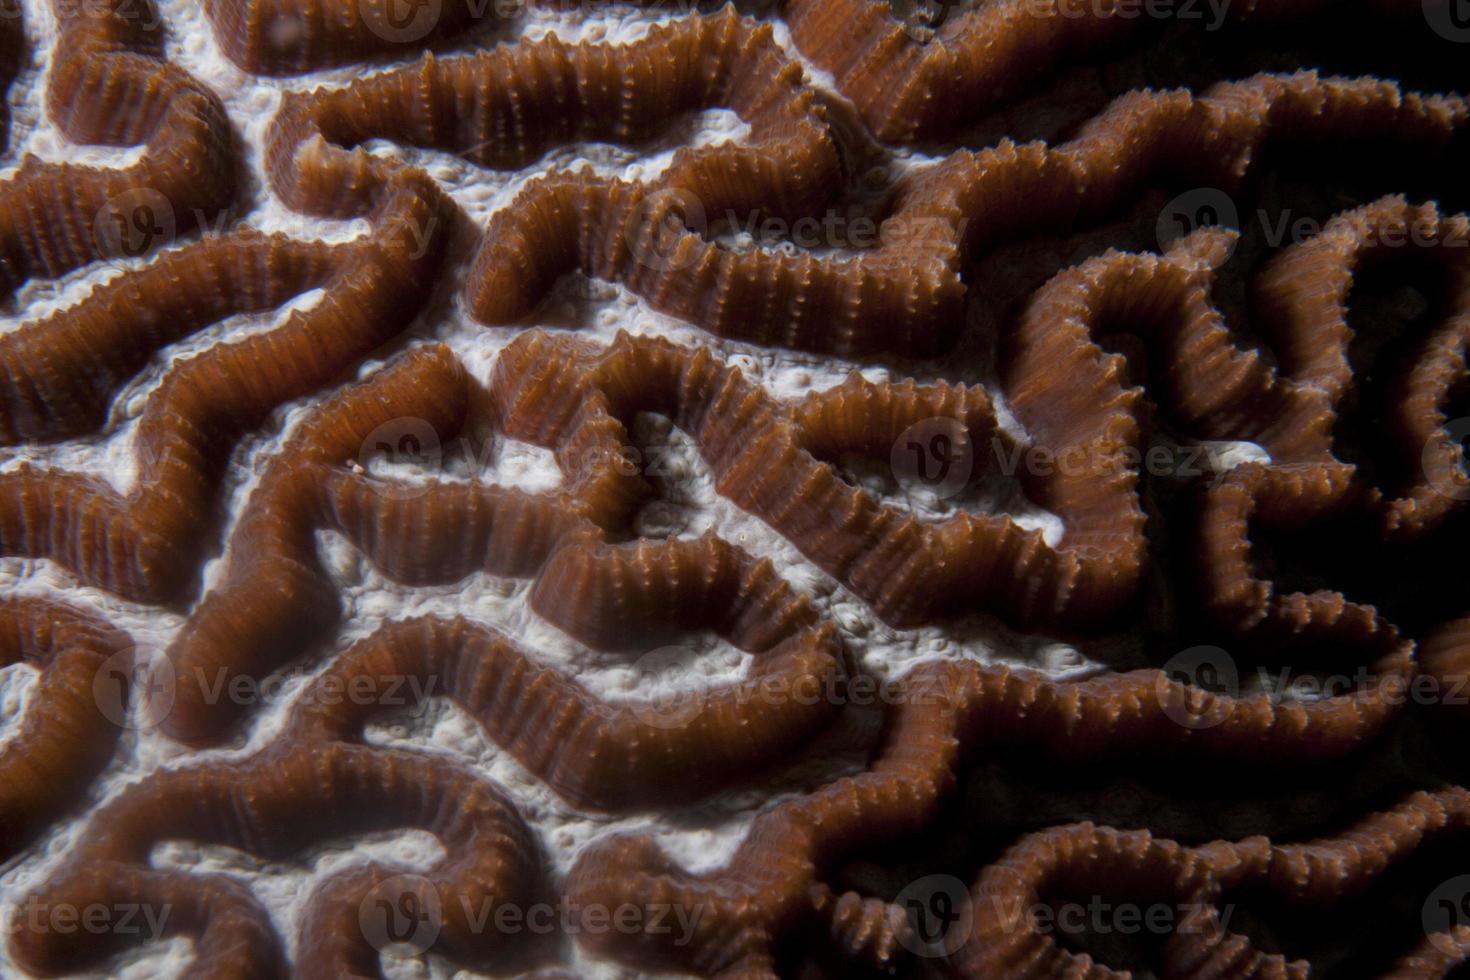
(784, 489)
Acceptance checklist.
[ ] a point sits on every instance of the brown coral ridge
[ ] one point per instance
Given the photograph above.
(616, 596)
(283, 37)
(505, 107)
(911, 81)
(905, 294)
(1301, 298)
(58, 375)
(607, 594)
(944, 715)
(761, 454)
(109, 84)
(1310, 876)
(1212, 388)
(1302, 305)
(771, 459)
(147, 544)
(772, 886)
(598, 754)
(768, 890)
(65, 736)
(1171, 138)
(313, 786)
(1235, 593)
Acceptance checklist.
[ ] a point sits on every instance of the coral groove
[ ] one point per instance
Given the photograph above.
(65, 737)
(307, 789)
(1304, 549)
(147, 544)
(109, 84)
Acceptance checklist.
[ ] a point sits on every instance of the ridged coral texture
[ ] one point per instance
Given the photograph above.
(1056, 409)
